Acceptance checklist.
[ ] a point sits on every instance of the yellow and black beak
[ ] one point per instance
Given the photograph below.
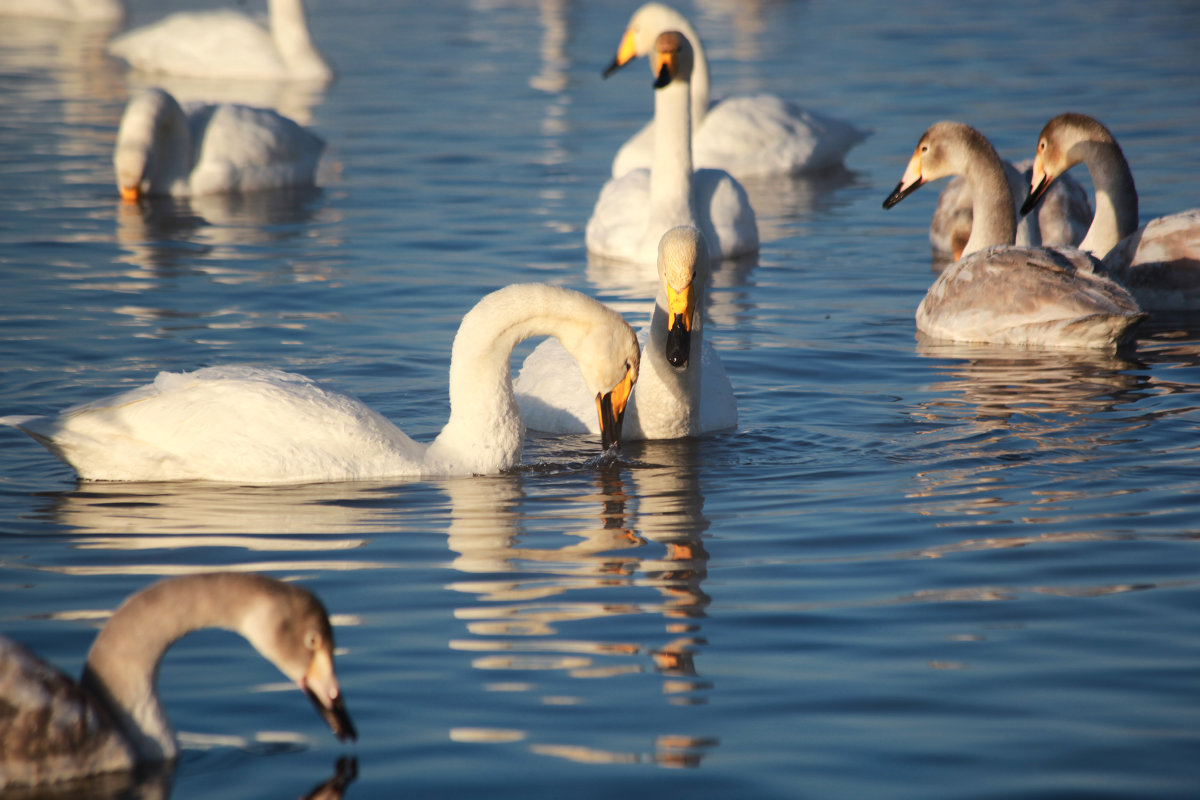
(1039, 184)
(320, 684)
(663, 67)
(908, 184)
(611, 408)
(681, 308)
(626, 52)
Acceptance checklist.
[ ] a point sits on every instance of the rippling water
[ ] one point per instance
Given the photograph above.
(913, 570)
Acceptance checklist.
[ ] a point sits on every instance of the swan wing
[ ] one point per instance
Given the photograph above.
(243, 149)
(727, 219)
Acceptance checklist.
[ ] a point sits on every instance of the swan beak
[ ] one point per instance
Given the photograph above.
(611, 408)
(665, 69)
(320, 684)
(130, 194)
(908, 184)
(625, 53)
(681, 307)
(1038, 185)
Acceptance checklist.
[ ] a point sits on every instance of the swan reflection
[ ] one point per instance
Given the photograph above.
(590, 557)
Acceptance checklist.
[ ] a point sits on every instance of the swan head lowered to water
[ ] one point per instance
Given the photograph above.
(112, 720)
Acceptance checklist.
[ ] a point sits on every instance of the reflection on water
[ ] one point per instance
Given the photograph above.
(646, 532)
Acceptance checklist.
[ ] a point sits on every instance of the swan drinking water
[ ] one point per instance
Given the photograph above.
(998, 292)
(637, 208)
(683, 389)
(53, 729)
(208, 149)
(263, 426)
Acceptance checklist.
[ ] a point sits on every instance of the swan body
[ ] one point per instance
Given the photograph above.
(745, 135)
(226, 44)
(677, 395)
(163, 149)
(1158, 263)
(637, 208)
(54, 729)
(67, 10)
(1062, 217)
(998, 292)
(262, 426)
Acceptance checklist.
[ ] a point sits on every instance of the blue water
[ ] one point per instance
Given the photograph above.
(912, 571)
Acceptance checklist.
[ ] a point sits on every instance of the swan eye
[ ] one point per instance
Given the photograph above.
(311, 640)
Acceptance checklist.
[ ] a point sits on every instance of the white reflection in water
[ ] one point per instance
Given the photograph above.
(650, 523)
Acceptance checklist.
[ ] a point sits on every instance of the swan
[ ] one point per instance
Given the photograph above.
(1062, 219)
(208, 149)
(262, 426)
(68, 10)
(636, 209)
(677, 394)
(225, 44)
(999, 292)
(112, 720)
(747, 135)
(1158, 263)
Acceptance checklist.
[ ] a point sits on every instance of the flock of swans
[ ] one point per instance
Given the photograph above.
(1032, 265)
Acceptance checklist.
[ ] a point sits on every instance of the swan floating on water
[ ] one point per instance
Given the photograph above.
(225, 44)
(746, 135)
(262, 426)
(682, 389)
(999, 292)
(1158, 263)
(163, 149)
(112, 720)
(637, 208)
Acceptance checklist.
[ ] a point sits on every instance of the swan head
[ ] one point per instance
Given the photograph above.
(671, 60)
(152, 144)
(1062, 144)
(944, 149)
(609, 358)
(291, 629)
(644, 27)
(681, 251)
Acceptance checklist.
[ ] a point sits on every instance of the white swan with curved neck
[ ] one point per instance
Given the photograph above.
(112, 720)
(747, 135)
(1158, 263)
(225, 44)
(636, 209)
(999, 292)
(262, 426)
(683, 389)
(208, 149)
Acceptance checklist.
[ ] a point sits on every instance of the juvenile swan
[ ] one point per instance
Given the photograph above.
(1158, 263)
(227, 44)
(683, 389)
(998, 292)
(636, 209)
(208, 149)
(747, 135)
(263, 426)
(53, 729)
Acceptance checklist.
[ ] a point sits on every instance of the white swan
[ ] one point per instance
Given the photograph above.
(262, 426)
(209, 149)
(56, 730)
(677, 395)
(746, 135)
(636, 209)
(999, 292)
(227, 44)
(67, 10)
(1158, 263)
(1062, 217)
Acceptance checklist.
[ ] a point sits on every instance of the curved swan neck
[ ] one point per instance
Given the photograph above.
(1116, 200)
(121, 670)
(154, 143)
(485, 424)
(994, 219)
(289, 30)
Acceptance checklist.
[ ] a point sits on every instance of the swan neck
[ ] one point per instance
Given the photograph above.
(121, 671)
(1116, 200)
(699, 79)
(994, 220)
(289, 30)
(671, 171)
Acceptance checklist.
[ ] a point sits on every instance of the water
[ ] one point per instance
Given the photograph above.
(912, 571)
